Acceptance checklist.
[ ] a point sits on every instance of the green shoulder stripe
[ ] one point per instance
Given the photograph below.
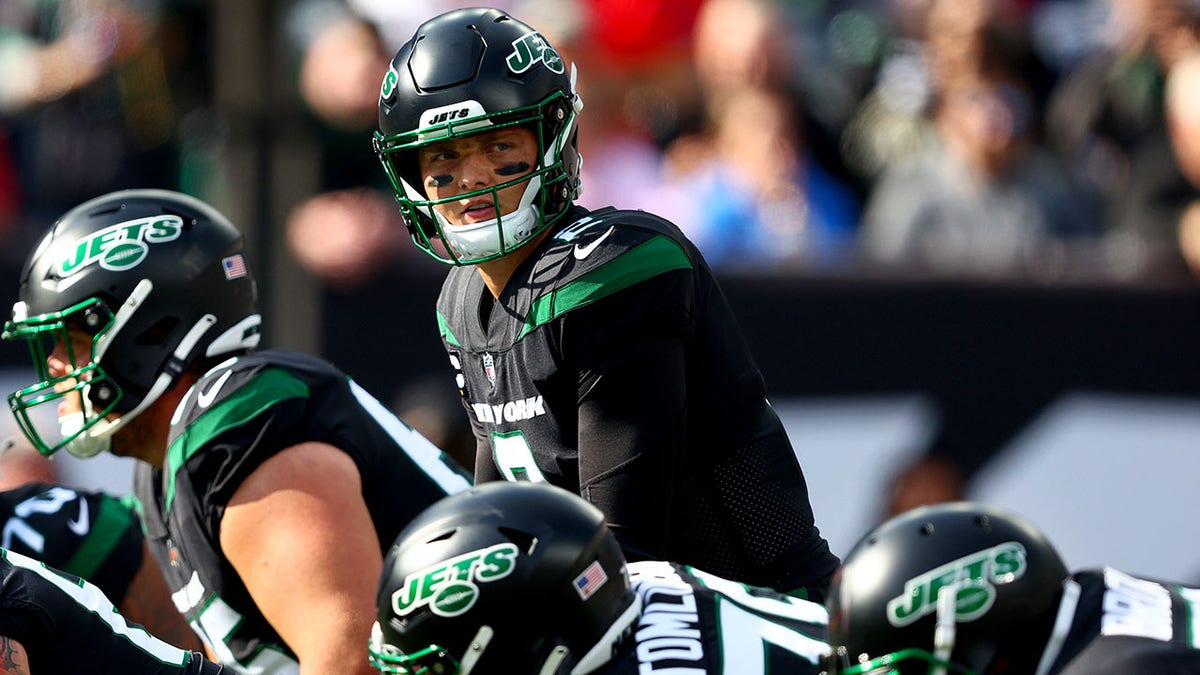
(108, 528)
(444, 329)
(268, 388)
(655, 256)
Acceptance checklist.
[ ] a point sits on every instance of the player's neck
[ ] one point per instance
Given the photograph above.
(497, 273)
(145, 437)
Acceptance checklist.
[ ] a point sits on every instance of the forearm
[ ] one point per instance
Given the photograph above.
(13, 659)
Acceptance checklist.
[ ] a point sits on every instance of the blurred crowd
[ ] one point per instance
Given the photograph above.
(1043, 138)
(1027, 137)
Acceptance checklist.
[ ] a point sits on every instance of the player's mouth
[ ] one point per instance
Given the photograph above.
(479, 210)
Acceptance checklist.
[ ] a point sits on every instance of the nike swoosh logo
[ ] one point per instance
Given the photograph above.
(83, 523)
(205, 398)
(582, 252)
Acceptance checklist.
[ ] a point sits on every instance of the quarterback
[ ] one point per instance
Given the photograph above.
(593, 350)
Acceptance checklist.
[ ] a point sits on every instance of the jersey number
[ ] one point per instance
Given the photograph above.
(514, 458)
(50, 501)
(749, 623)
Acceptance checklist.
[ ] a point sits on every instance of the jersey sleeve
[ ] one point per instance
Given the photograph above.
(66, 623)
(628, 351)
(261, 413)
(90, 534)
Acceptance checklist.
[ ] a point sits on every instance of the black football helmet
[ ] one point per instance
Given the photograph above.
(946, 588)
(467, 71)
(502, 578)
(155, 280)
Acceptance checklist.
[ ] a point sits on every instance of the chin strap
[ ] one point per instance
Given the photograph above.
(475, 651)
(1062, 625)
(602, 652)
(97, 438)
(944, 632)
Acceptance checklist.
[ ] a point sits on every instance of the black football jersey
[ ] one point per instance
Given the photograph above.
(694, 622)
(1126, 625)
(69, 627)
(235, 417)
(612, 366)
(90, 534)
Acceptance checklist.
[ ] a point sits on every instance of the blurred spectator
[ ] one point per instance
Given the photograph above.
(1105, 120)
(932, 42)
(757, 196)
(745, 187)
(348, 232)
(91, 97)
(639, 92)
(985, 196)
(1183, 124)
(345, 236)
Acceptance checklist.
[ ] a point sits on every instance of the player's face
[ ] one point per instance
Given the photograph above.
(68, 355)
(462, 165)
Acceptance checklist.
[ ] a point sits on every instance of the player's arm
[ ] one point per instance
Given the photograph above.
(13, 659)
(300, 536)
(632, 415)
(148, 602)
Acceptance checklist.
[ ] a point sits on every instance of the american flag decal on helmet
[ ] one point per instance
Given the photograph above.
(591, 580)
(234, 266)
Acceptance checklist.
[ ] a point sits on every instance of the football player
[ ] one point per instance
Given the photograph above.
(593, 350)
(454, 576)
(269, 482)
(963, 587)
(53, 623)
(97, 537)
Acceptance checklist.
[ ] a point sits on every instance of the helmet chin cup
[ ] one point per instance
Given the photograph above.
(482, 240)
(83, 443)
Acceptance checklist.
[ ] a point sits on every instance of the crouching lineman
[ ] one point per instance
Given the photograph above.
(966, 588)
(527, 578)
(53, 623)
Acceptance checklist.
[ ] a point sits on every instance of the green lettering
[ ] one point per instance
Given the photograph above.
(522, 56)
(100, 241)
(70, 264)
(910, 606)
(1008, 561)
(164, 229)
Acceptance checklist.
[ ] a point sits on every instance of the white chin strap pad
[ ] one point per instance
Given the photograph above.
(481, 240)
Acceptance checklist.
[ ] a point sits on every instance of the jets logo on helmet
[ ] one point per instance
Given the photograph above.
(389, 84)
(121, 246)
(445, 117)
(450, 587)
(531, 48)
(971, 577)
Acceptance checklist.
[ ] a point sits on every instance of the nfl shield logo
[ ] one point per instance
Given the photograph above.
(489, 368)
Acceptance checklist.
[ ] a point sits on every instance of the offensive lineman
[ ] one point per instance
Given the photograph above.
(97, 537)
(962, 587)
(52, 623)
(453, 577)
(593, 350)
(269, 482)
